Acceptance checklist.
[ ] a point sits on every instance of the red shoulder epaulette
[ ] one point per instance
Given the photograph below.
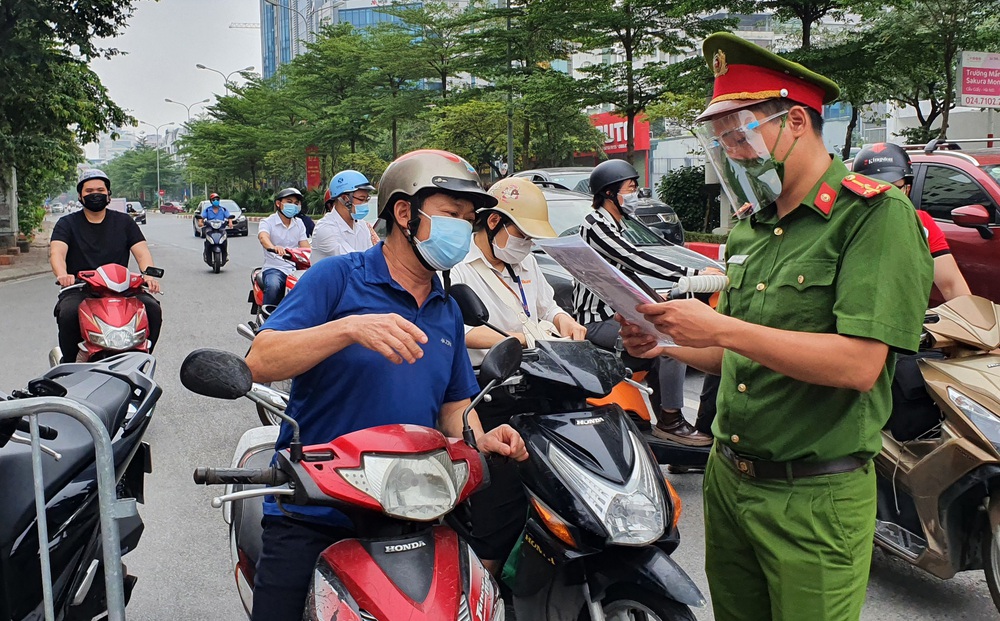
(863, 186)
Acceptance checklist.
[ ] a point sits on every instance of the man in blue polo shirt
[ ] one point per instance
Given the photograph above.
(379, 314)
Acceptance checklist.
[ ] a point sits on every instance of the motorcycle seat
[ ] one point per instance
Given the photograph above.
(258, 277)
(108, 397)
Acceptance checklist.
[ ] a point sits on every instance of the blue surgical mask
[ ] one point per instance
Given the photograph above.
(215, 202)
(360, 211)
(448, 242)
(290, 210)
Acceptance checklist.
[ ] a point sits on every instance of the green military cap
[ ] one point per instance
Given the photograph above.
(746, 74)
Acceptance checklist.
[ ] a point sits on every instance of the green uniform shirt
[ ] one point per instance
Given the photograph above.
(838, 263)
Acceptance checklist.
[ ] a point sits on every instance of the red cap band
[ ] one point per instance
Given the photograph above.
(754, 82)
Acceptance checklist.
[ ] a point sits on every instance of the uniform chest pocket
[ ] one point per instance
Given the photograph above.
(733, 299)
(802, 295)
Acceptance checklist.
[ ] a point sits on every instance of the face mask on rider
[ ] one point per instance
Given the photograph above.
(629, 202)
(516, 250)
(215, 202)
(96, 201)
(448, 242)
(360, 211)
(290, 210)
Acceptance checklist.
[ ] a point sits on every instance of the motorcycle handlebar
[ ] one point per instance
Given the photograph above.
(44, 431)
(704, 283)
(270, 477)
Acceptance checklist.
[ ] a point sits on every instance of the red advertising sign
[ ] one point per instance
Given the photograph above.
(615, 130)
(979, 80)
(162, 192)
(314, 174)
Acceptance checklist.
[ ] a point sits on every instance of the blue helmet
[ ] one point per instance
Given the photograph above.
(347, 181)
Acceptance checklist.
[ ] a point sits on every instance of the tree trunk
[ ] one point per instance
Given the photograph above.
(395, 140)
(526, 137)
(806, 32)
(845, 154)
(630, 98)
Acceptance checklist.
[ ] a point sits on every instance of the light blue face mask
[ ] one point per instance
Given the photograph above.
(448, 242)
(360, 211)
(290, 210)
(215, 202)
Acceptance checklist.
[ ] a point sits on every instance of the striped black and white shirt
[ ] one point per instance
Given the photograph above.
(607, 237)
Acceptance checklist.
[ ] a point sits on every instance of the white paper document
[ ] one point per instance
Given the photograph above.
(614, 288)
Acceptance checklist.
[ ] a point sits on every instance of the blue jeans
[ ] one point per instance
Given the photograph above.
(274, 285)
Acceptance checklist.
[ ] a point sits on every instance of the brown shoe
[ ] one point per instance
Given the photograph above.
(672, 426)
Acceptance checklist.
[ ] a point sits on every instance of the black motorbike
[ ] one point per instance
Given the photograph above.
(602, 520)
(79, 513)
(216, 252)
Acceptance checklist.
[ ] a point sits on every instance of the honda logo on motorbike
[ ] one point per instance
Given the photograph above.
(589, 421)
(405, 547)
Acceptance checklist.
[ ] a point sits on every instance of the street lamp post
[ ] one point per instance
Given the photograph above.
(188, 108)
(159, 199)
(225, 76)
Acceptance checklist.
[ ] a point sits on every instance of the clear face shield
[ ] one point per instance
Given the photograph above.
(746, 167)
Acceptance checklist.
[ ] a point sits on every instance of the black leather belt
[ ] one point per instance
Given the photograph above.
(760, 469)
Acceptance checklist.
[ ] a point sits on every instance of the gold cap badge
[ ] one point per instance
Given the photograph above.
(719, 66)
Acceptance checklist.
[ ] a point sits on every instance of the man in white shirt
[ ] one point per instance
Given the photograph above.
(278, 231)
(504, 274)
(343, 229)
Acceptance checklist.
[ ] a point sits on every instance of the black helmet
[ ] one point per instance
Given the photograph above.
(884, 161)
(609, 173)
(289, 192)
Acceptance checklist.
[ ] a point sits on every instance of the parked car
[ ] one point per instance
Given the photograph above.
(171, 207)
(58, 208)
(137, 211)
(960, 189)
(652, 212)
(240, 224)
(567, 209)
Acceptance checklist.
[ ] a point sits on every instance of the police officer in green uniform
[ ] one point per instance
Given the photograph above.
(829, 275)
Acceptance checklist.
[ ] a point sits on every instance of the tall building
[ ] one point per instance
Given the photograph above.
(109, 148)
(286, 29)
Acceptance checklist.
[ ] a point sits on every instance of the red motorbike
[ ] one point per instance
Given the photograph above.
(395, 482)
(300, 258)
(112, 319)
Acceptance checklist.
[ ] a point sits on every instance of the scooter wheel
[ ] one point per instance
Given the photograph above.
(991, 563)
(629, 602)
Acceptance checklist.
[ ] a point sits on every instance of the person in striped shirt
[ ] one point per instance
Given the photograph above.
(615, 185)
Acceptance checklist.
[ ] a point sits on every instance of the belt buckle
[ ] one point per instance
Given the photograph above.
(745, 466)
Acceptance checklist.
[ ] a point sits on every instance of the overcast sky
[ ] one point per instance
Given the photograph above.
(164, 41)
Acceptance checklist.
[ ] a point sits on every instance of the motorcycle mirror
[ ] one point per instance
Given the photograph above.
(216, 373)
(474, 312)
(501, 361)
(155, 272)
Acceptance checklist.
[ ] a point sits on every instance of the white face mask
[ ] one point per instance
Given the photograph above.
(514, 252)
(629, 203)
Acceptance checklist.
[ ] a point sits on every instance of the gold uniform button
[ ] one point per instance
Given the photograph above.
(778, 231)
(801, 279)
(736, 440)
(742, 388)
(744, 467)
(761, 286)
(824, 197)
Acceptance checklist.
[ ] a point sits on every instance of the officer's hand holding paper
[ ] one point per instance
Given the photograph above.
(617, 290)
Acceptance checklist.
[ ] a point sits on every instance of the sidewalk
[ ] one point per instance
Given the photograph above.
(33, 262)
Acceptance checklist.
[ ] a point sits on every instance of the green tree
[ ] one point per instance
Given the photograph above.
(475, 130)
(551, 104)
(924, 63)
(133, 173)
(393, 77)
(630, 30)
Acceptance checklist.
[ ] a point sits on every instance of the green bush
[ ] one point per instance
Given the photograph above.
(696, 204)
(708, 238)
(29, 218)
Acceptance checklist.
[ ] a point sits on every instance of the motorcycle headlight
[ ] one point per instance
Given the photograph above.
(633, 514)
(118, 339)
(415, 487)
(984, 420)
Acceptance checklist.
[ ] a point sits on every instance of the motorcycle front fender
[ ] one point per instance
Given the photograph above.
(648, 568)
